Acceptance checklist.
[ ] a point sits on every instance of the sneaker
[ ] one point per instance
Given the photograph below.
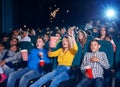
(3, 77)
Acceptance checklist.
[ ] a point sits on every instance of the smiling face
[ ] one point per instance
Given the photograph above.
(40, 43)
(94, 46)
(65, 43)
(13, 48)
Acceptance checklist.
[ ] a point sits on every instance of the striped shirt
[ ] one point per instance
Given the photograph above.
(97, 67)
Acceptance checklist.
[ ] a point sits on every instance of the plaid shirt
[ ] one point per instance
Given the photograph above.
(97, 67)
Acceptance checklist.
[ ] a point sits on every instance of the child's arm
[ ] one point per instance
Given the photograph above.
(55, 53)
(84, 63)
(17, 56)
(74, 47)
(102, 61)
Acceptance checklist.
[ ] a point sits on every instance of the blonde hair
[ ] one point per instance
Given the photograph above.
(69, 40)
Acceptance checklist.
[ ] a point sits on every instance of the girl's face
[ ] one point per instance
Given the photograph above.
(40, 43)
(65, 43)
(103, 31)
(94, 46)
(13, 48)
(80, 35)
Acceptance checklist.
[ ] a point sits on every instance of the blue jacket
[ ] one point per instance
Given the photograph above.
(33, 59)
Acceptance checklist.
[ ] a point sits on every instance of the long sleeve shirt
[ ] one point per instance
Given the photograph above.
(33, 59)
(64, 58)
(2, 54)
(14, 58)
(97, 67)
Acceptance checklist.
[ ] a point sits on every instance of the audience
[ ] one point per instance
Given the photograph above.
(10, 52)
(65, 58)
(32, 70)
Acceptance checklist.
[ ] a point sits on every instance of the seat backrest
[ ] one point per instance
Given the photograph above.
(107, 47)
(90, 37)
(78, 57)
(26, 45)
(33, 39)
(117, 60)
(117, 55)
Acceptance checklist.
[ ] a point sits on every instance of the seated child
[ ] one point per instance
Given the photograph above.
(98, 62)
(65, 57)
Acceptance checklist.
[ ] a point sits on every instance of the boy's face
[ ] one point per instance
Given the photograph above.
(40, 43)
(94, 46)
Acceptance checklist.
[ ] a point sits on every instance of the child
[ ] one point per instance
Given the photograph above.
(65, 58)
(6, 65)
(98, 61)
(33, 69)
(3, 76)
(109, 38)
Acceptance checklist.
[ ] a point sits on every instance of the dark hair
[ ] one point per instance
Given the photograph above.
(15, 38)
(3, 44)
(109, 36)
(94, 41)
(105, 30)
(40, 37)
(88, 32)
(58, 33)
(17, 46)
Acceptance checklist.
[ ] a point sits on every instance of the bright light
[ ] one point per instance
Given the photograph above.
(110, 13)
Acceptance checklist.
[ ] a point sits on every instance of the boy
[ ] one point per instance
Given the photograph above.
(33, 69)
(65, 57)
(97, 60)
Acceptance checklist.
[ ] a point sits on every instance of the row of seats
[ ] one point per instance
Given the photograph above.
(105, 47)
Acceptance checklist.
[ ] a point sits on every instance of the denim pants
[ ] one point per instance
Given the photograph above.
(7, 70)
(57, 76)
(25, 74)
(1, 70)
(97, 82)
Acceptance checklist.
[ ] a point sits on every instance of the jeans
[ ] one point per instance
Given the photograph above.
(1, 70)
(7, 70)
(25, 74)
(57, 76)
(85, 82)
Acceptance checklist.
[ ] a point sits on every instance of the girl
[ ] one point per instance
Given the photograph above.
(65, 58)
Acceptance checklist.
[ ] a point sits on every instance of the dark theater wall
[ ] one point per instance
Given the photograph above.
(7, 15)
(0, 16)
